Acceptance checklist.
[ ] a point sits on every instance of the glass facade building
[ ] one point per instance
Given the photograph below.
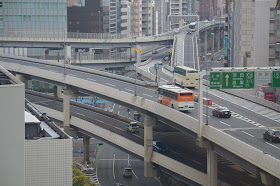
(37, 17)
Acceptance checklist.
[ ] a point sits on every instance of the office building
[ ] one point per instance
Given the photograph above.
(12, 129)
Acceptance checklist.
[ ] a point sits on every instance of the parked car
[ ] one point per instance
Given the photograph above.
(272, 135)
(221, 112)
(154, 52)
(158, 146)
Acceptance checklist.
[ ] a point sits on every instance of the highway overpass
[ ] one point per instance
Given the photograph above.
(218, 139)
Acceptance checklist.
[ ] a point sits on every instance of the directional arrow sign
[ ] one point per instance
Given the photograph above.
(227, 76)
(238, 80)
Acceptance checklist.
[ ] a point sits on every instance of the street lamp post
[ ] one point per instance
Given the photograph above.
(213, 45)
(135, 80)
(64, 52)
(99, 21)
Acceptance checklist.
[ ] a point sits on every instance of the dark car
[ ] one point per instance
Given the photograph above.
(221, 112)
(158, 146)
(272, 135)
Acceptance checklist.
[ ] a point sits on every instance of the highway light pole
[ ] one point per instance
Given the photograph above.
(64, 51)
(135, 80)
(99, 21)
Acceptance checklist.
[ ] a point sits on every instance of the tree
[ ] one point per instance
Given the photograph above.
(80, 178)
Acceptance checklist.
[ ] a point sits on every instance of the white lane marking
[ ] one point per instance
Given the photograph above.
(91, 79)
(128, 160)
(131, 74)
(118, 160)
(225, 123)
(120, 106)
(193, 50)
(135, 175)
(110, 84)
(247, 133)
(118, 112)
(113, 107)
(114, 167)
(72, 75)
(273, 145)
(206, 115)
(148, 95)
(129, 90)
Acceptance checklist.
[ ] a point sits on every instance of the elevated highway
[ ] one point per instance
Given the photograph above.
(183, 122)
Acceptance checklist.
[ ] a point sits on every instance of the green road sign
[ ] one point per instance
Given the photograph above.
(215, 80)
(276, 79)
(156, 66)
(238, 80)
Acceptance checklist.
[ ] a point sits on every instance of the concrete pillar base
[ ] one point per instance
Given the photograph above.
(212, 167)
(21, 78)
(86, 148)
(57, 91)
(70, 131)
(149, 123)
(267, 179)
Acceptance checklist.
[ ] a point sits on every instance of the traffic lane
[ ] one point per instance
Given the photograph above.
(189, 51)
(254, 138)
(164, 77)
(115, 169)
(113, 83)
(103, 121)
(246, 113)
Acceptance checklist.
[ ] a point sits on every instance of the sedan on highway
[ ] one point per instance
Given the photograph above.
(221, 112)
(272, 135)
(158, 146)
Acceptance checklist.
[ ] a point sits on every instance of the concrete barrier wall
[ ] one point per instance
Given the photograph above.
(131, 146)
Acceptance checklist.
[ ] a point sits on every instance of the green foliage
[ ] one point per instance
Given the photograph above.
(80, 178)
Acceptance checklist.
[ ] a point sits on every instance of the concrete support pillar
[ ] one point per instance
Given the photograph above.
(212, 167)
(86, 139)
(138, 54)
(66, 110)
(21, 78)
(149, 123)
(205, 43)
(29, 84)
(267, 179)
(57, 91)
(67, 56)
(219, 39)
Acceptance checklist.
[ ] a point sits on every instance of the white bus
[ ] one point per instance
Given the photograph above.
(192, 26)
(185, 76)
(176, 97)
